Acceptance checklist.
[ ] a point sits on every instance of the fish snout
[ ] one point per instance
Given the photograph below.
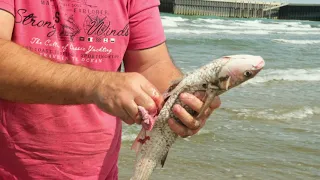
(259, 65)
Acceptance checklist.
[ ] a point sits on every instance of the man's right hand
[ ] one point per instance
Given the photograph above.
(120, 94)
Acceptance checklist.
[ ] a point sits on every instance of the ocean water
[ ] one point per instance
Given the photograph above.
(267, 128)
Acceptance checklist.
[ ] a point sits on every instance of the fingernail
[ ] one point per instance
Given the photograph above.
(153, 111)
(176, 108)
(155, 93)
(196, 125)
(184, 95)
(190, 133)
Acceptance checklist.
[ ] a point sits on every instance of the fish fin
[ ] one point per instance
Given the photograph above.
(176, 81)
(172, 88)
(209, 98)
(228, 83)
(164, 158)
(136, 146)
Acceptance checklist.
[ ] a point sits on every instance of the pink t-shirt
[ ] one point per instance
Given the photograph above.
(40, 141)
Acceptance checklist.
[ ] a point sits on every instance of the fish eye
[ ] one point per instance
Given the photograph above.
(248, 74)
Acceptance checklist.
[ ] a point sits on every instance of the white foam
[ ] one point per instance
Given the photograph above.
(212, 21)
(272, 114)
(168, 21)
(227, 26)
(129, 137)
(299, 33)
(245, 32)
(297, 41)
(265, 27)
(176, 19)
(286, 75)
(198, 32)
(189, 31)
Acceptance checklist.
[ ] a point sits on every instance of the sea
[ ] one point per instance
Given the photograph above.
(266, 129)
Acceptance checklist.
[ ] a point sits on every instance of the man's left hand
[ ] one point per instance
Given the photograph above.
(192, 125)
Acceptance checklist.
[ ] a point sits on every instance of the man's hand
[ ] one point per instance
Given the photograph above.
(156, 65)
(192, 125)
(120, 94)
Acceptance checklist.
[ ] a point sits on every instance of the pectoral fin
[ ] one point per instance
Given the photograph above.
(209, 97)
(172, 88)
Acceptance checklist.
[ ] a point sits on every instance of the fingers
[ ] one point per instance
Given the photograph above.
(131, 110)
(192, 101)
(200, 95)
(182, 131)
(149, 98)
(216, 103)
(191, 125)
(195, 101)
(155, 95)
(185, 117)
(195, 104)
(144, 100)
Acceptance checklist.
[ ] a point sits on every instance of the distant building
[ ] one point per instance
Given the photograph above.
(300, 12)
(242, 9)
(221, 8)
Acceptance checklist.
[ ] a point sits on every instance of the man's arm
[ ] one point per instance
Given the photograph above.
(156, 65)
(29, 78)
(6, 24)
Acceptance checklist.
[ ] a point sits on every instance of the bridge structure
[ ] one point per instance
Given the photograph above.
(222, 8)
(241, 9)
(300, 12)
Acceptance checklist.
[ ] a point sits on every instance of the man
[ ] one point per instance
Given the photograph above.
(61, 95)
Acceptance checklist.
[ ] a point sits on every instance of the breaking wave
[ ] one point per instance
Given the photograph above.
(287, 75)
(231, 26)
(296, 41)
(193, 31)
(277, 114)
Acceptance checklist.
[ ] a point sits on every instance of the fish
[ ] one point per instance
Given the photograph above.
(215, 78)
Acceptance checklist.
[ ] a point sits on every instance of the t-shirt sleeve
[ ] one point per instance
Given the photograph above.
(145, 24)
(7, 5)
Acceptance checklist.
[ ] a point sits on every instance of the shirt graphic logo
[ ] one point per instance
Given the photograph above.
(90, 39)
(98, 39)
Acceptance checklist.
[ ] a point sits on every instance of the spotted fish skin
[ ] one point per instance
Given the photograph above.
(214, 78)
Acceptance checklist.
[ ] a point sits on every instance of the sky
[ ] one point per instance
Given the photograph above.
(297, 1)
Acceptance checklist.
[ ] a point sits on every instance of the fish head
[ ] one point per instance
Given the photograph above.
(234, 70)
(238, 69)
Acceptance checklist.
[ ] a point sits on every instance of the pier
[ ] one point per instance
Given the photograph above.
(221, 8)
(242, 9)
(300, 12)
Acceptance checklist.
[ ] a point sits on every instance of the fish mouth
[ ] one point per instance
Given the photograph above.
(259, 66)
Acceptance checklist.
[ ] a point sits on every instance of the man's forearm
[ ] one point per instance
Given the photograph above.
(162, 74)
(29, 78)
